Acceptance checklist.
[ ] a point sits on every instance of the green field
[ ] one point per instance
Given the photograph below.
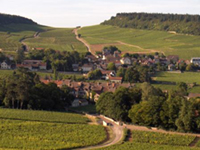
(187, 77)
(186, 46)
(28, 129)
(88, 109)
(143, 140)
(6, 73)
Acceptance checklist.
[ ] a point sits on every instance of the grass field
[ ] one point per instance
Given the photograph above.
(187, 77)
(186, 46)
(88, 109)
(143, 140)
(6, 73)
(26, 129)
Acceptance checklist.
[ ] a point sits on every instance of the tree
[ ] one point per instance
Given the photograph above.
(111, 66)
(121, 72)
(19, 56)
(185, 119)
(105, 104)
(181, 89)
(170, 111)
(131, 75)
(96, 74)
(54, 65)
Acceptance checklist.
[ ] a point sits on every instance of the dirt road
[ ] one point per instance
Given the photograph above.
(117, 134)
(75, 31)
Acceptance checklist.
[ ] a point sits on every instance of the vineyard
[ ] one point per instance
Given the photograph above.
(57, 38)
(146, 146)
(28, 129)
(136, 40)
(161, 138)
(43, 116)
(40, 135)
(155, 141)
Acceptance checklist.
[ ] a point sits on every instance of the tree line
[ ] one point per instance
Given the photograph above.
(6, 19)
(23, 90)
(150, 106)
(186, 24)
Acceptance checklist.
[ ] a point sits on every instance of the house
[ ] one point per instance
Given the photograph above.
(171, 67)
(107, 73)
(75, 103)
(115, 79)
(33, 65)
(126, 61)
(193, 95)
(195, 60)
(87, 67)
(83, 102)
(75, 67)
(5, 65)
(91, 58)
(173, 58)
(79, 102)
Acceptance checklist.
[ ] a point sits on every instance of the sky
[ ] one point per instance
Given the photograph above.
(72, 13)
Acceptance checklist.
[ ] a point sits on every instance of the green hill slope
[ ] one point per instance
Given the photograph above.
(148, 41)
(15, 29)
(187, 24)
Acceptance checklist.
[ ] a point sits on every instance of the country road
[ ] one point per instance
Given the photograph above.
(117, 134)
(75, 31)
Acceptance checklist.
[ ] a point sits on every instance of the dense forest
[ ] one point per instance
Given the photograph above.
(13, 19)
(186, 24)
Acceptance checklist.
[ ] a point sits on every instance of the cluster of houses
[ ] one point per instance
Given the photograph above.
(87, 90)
(101, 61)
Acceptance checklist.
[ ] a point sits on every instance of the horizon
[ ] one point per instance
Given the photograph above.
(66, 13)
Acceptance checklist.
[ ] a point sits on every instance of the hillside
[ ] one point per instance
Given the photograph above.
(16, 30)
(141, 41)
(186, 24)
(6, 19)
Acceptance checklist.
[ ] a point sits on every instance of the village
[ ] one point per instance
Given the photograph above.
(108, 63)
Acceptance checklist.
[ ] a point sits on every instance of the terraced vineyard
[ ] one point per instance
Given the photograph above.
(135, 40)
(25, 129)
(59, 39)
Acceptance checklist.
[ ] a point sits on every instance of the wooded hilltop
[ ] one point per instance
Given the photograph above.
(6, 19)
(186, 24)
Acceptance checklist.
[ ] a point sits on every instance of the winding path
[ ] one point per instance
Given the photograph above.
(117, 135)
